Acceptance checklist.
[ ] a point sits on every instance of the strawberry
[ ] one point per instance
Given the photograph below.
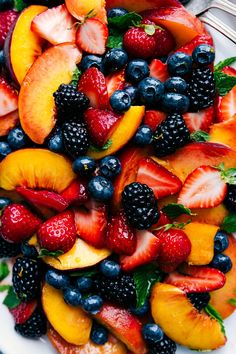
(153, 118)
(163, 220)
(147, 251)
(226, 105)
(138, 43)
(18, 223)
(120, 236)
(158, 70)
(115, 81)
(174, 250)
(91, 223)
(158, 178)
(197, 279)
(189, 47)
(7, 18)
(203, 188)
(8, 97)
(75, 193)
(93, 84)
(92, 36)
(100, 124)
(201, 120)
(56, 25)
(58, 232)
(23, 311)
(43, 197)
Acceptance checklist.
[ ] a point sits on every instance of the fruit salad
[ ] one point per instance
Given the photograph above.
(117, 176)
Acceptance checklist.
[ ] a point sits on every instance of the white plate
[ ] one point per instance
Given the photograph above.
(11, 343)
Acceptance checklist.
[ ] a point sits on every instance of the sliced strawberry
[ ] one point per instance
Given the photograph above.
(8, 97)
(201, 120)
(43, 197)
(92, 36)
(100, 124)
(7, 18)
(158, 70)
(153, 118)
(146, 251)
(93, 84)
(76, 193)
(115, 81)
(23, 311)
(91, 223)
(200, 39)
(197, 279)
(226, 105)
(158, 178)
(203, 188)
(56, 25)
(120, 236)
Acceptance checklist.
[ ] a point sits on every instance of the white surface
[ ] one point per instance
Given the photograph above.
(11, 343)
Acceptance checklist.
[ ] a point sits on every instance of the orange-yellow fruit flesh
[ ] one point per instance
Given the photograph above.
(224, 133)
(79, 9)
(8, 122)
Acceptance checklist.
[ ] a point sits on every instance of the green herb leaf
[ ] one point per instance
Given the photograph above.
(173, 210)
(84, 273)
(4, 270)
(224, 63)
(232, 302)
(224, 83)
(11, 300)
(229, 176)
(115, 41)
(211, 311)
(76, 76)
(4, 288)
(125, 21)
(175, 225)
(104, 147)
(150, 29)
(229, 223)
(200, 135)
(19, 5)
(45, 253)
(145, 277)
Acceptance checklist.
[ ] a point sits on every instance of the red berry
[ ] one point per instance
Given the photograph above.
(6, 20)
(165, 42)
(76, 193)
(138, 43)
(23, 311)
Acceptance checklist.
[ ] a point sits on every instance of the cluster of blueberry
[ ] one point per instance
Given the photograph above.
(221, 261)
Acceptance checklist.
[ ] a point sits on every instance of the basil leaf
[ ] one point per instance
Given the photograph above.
(224, 63)
(125, 21)
(173, 210)
(4, 288)
(4, 270)
(19, 5)
(76, 76)
(11, 300)
(224, 83)
(115, 41)
(211, 311)
(200, 135)
(229, 223)
(45, 253)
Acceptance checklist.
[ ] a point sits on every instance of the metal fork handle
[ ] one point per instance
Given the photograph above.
(220, 26)
(224, 5)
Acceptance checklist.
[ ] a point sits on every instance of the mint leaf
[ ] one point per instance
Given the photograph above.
(45, 253)
(144, 278)
(11, 300)
(174, 225)
(19, 5)
(115, 41)
(125, 21)
(4, 270)
(104, 147)
(84, 273)
(224, 63)
(211, 311)
(200, 135)
(4, 288)
(224, 83)
(232, 302)
(76, 76)
(229, 176)
(173, 210)
(229, 223)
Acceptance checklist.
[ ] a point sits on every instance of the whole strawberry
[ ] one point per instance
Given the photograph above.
(18, 223)
(139, 44)
(6, 20)
(58, 233)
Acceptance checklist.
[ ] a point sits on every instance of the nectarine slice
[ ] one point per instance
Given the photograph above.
(182, 322)
(224, 133)
(8, 122)
(79, 9)
(72, 323)
(36, 104)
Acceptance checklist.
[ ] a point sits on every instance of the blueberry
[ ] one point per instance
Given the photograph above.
(2, 58)
(221, 242)
(120, 101)
(6, 4)
(84, 166)
(55, 141)
(4, 202)
(84, 284)
(203, 54)
(137, 70)
(92, 304)
(57, 279)
(133, 93)
(90, 61)
(110, 166)
(150, 91)
(109, 268)
(152, 333)
(17, 138)
(221, 262)
(116, 11)
(175, 102)
(176, 84)
(100, 188)
(99, 334)
(72, 296)
(4, 149)
(29, 251)
(115, 59)
(143, 135)
(179, 64)
(142, 310)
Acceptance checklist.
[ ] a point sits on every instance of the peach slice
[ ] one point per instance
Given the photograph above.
(224, 133)
(8, 122)
(23, 46)
(35, 168)
(36, 103)
(72, 323)
(81, 255)
(138, 6)
(123, 133)
(182, 322)
(79, 9)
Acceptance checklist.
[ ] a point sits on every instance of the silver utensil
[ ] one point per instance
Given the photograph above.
(198, 7)
(220, 26)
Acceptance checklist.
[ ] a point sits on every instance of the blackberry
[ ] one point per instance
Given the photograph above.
(230, 199)
(34, 327)
(26, 278)
(164, 346)
(75, 138)
(120, 289)
(171, 134)
(199, 300)
(7, 249)
(201, 89)
(140, 205)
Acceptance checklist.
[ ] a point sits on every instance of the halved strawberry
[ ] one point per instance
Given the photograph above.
(100, 124)
(91, 222)
(56, 25)
(92, 36)
(93, 84)
(115, 81)
(200, 39)
(147, 251)
(203, 188)
(7, 18)
(197, 279)
(8, 97)
(226, 105)
(158, 70)
(23, 311)
(76, 193)
(153, 118)
(201, 120)
(158, 178)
